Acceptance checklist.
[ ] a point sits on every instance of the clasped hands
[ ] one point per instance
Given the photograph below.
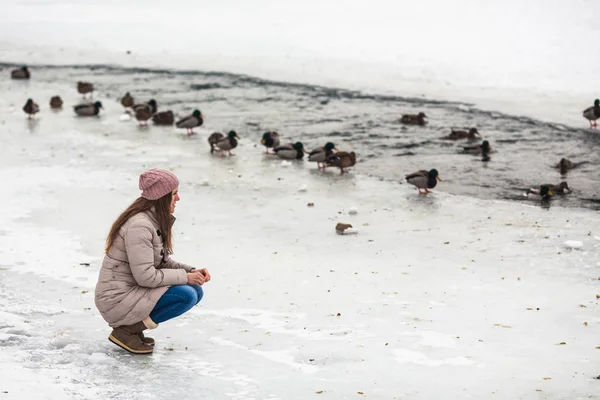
(198, 277)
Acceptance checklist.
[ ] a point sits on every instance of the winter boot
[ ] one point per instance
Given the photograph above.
(127, 337)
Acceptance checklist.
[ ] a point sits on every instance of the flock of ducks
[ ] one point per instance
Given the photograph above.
(325, 156)
(425, 180)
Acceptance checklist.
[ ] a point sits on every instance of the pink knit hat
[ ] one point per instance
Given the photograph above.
(156, 183)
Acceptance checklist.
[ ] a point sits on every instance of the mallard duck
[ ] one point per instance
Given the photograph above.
(31, 108)
(127, 101)
(341, 159)
(543, 193)
(564, 165)
(484, 148)
(56, 102)
(151, 105)
(290, 151)
(270, 139)
(593, 113)
(424, 179)
(88, 110)
(190, 122)
(20, 73)
(224, 143)
(143, 114)
(321, 153)
(85, 88)
(561, 188)
(462, 134)
(414, 119)
(163, 118)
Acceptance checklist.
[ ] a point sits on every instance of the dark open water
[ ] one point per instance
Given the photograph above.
(524, 150)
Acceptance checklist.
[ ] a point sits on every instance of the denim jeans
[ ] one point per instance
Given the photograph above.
(176, 300)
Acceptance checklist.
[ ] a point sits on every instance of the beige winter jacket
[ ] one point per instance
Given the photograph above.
(136, 272)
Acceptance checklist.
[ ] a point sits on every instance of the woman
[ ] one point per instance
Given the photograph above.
(139, 285)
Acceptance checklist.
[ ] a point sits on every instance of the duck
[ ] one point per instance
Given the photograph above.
(127, 101)
(163, 118)
(593, 113)
(143, 114)
(85, 88)
(290, 151)
(56, 102)
(561, 188)
(190, 122)
(484, 148)
(341, 227)
(341, 159)
(424, 180)
(20, 73)
(543, 193)
(151, 105)
(88, 110)
(414, 119)
(320, 154)
(223, 143)
(31, 108)
(462, 134)
(564, 165)
(270, 139)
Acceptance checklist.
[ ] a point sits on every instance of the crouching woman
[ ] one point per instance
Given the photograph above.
(140, 285)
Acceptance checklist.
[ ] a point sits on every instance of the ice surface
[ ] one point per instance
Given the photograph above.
(475, 295)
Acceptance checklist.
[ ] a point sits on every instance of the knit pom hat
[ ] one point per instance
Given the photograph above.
(156, 183)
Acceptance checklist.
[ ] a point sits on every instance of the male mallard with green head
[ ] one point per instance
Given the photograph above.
(543, 193)
(20, 73)
(320, 154)
(290, 151)
(270, 140)
(561, 188)
(341, 159)
(31, 108)
(56, 102)
(593, 113)
(414, 119)
(85, 88)
(462, 134)
(151, 106)
(484, 148)
(224, 143)
(88, 110)
(424, 180)
(163, 118)
(190, 122)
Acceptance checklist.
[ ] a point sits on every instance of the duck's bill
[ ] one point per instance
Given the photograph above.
(335, 148)
(262, 141)
(550, 193)
(438, 178)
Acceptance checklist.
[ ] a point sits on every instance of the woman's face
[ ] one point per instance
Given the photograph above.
(174, 199)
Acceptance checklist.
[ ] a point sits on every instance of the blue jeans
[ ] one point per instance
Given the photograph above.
(176, 300)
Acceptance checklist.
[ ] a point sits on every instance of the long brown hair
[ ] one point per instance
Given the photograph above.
(161, 213)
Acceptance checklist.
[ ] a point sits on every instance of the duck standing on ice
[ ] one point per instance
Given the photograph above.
(85, 88)
(190, 122)
(223, 143)
(31, 108)
(290, 151)
(593, 113)
(320, 154)
(341, 159)
(424, 180)
(270, 140)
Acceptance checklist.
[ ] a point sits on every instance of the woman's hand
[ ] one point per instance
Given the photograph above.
(204, 272)
(196, 278)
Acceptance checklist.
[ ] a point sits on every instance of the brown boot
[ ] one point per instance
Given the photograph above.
(127, 337)
(146, 340)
